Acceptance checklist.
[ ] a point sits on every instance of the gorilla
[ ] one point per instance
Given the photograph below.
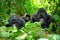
(26, 17)
(43, 17)
(15, 21)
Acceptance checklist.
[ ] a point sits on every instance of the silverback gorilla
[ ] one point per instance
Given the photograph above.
(16, 21)
(43, 17)
(26, 17)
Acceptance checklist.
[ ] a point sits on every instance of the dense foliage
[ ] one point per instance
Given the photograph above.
(31, 31)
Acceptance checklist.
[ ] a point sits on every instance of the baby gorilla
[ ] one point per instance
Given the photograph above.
(43, 17)
(15, 21)
(26, 17)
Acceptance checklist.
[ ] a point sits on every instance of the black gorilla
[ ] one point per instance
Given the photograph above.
(43, 17)
(16, 21)
(26, 17)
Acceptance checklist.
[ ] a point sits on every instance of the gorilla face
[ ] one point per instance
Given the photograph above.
(42, 20)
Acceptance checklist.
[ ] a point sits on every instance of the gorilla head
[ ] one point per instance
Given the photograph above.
(26, 17)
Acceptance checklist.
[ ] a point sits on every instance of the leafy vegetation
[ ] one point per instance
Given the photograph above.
(31, 31)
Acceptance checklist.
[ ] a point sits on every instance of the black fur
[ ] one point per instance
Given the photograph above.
(43, 17)
(26, 17)
(14, 19)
